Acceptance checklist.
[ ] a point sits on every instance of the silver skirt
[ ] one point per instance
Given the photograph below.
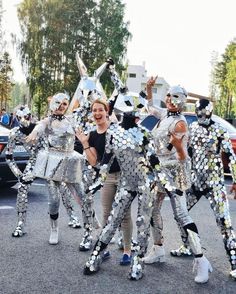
(59, 166)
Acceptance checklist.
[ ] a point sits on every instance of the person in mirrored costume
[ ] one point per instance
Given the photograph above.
(134, 152)
(18, 136)
(170, 134)
(59, 164)
(207, 141)
(89, 89)
(94, 146)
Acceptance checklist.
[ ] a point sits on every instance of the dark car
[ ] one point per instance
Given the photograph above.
(191, 117)
(21, 157)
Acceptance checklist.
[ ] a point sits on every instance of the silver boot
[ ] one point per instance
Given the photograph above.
(181, 251)
(86, 243)
(232, 274)
(136, 268)
(19, 230)
(53, 239)
(74, 222)
(202, 267)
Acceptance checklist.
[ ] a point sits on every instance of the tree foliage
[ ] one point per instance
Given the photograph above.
(225, 80)
(53, 30)
(5, 79)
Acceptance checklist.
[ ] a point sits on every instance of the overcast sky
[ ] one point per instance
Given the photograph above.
(175, 38)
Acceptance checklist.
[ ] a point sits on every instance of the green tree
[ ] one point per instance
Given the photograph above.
(53, 30)
(5, 80)
(19, 95)
(225, 80)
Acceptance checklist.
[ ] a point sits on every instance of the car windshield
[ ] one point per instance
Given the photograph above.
(190, 118)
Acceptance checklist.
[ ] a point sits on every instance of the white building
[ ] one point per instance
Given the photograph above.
(136, 81)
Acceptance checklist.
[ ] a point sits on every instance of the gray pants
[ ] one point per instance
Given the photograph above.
(108, 193)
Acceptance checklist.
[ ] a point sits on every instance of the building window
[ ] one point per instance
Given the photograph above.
(132, 75)
(154, 90)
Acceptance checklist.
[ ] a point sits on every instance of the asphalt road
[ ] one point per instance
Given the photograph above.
(30, 265)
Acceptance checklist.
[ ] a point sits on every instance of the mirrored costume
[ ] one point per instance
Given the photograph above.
(179, 171)
(17, 136)
(88, 89)
(133, 149)
(59, 164)
(207, 142)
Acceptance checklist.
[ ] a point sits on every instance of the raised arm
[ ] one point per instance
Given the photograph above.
(153, 109)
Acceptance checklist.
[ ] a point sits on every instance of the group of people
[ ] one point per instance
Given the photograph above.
(9, 120)
(125, 159)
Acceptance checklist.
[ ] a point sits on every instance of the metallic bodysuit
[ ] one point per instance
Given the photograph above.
(18, 135)
(59, 164)
(179, 171)
(133, 150)
(206, 146)
(136, 179)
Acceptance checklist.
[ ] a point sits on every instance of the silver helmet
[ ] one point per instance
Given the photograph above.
(23, 115)
(57, 99)
(178, 96)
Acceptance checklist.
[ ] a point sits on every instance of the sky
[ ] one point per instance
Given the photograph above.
(174, 38)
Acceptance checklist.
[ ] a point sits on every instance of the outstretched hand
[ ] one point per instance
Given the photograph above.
(150, 83)
(83, 138)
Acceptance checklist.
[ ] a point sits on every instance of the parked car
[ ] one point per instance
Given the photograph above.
(21, 157)
(191, 117)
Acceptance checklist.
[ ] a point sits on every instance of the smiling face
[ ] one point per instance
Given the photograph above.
(62, 107)
(100, 113)
(59, 103)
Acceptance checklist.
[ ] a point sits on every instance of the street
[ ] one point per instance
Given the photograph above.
(30, 265)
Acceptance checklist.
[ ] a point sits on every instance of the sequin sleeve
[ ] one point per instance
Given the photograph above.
(156, 110)
(14, 134)
(116, 79)
(41, 127)
(228, 149)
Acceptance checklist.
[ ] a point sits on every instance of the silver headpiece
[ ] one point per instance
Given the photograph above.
(178, 96)
(57, 100)
(204, 109)
(23, 115)
(89, 88)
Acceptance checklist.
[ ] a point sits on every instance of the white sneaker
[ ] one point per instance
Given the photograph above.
(53, 239)
(156, 254)
(202, 267)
